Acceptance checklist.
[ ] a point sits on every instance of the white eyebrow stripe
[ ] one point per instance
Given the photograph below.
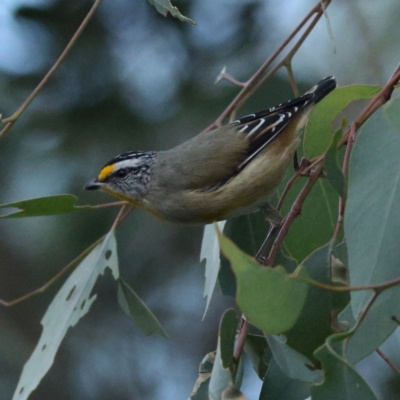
(132, 163)
(262, 120)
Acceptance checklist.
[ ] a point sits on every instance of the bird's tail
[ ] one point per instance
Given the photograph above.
(322, 88)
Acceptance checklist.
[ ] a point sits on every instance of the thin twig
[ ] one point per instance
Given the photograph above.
(241, 338)
(390, 363)
(11, 120)
(379, 287)
(118, 221)
(294, 212)
(317, 9)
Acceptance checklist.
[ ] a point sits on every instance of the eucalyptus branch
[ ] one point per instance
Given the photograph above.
(294, 212)
(379, 100)
(387, 360)
(11, 120)
(118, 221)
(377, 287)
(255, 81)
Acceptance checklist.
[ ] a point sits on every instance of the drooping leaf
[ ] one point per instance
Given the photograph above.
(372, 218)
(136, 309)
(43, 206)
(291, 362)
(278, 386)
(164, 7)
(210, 252)
(70, 304)
(270, 298)
(341, 380)
(222, 374)
(319, 130)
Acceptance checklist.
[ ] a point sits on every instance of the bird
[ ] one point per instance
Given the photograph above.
(219, 174)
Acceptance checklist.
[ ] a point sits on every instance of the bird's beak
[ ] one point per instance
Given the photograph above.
(93, 184)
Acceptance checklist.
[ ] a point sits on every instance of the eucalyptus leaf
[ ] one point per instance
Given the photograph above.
(69, 305)
(270, 298)
(372, 217)
(319, 131)
(278, 386)
(164, 7)
(222, 374)
(136, 309)
(341, 380)
(44, 206)
(210, 252)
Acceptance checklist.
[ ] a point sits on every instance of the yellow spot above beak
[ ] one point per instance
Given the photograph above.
(105, 172)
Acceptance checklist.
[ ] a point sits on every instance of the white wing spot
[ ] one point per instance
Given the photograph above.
(262, 120)
(244, 128)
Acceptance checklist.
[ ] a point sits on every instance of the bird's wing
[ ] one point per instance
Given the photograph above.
(211, 159)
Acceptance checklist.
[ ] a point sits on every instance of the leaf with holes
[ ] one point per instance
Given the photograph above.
(43, 206)
(70, 304)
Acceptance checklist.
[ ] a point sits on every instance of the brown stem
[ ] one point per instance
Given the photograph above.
(11, 120)
(317, 9)
(381, 98)
(390, 363)
(244, 327)
(379, 287)
(294, 212)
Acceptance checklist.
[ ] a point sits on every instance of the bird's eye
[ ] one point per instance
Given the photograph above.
(122, 173)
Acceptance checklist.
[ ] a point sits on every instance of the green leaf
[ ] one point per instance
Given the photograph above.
(271, 299)
(43, 206)
(210, 252)
(200, 389)
(341, 380)
(222, 375)
(372, 217)
(314, 227)
(249, 232)
(164, 7)
(278, 386)
(319, 131)
(393, 113)
(314, 324)
(333, 171)
(69, 305)
(134, 307)
(376, 327)
(255, 347)
(291, 362)
(227, 333)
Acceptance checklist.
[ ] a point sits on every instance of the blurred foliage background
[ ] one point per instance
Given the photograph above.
(138, 81)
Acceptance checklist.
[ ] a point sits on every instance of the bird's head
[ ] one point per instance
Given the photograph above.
(126, 176)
